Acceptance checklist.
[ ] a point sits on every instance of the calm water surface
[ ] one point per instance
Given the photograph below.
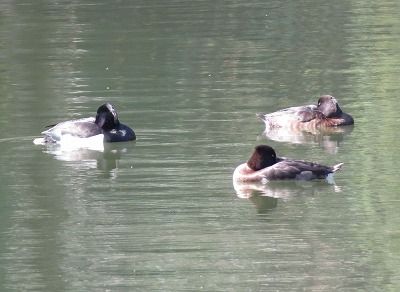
(161, 213)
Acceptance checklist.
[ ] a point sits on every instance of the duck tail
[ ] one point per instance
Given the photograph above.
(336, 167)
(261, 116)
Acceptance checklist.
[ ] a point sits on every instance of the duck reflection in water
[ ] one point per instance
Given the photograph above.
(105, 160)
(328, 139)
(265, 197)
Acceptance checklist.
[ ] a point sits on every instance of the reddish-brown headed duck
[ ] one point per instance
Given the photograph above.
(326, 113)
(264, 166)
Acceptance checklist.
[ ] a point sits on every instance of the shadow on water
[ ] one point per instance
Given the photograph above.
(265, 197)
(328, 139)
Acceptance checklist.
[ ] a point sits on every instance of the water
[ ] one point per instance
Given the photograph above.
(161, 213)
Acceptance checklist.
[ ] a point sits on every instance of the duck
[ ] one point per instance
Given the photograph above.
(326, 113)
(105, 127)
(264, 165)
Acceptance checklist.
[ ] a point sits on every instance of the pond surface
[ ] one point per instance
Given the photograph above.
(161, 213)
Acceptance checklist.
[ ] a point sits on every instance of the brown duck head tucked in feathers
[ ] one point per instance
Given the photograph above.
(262, 157)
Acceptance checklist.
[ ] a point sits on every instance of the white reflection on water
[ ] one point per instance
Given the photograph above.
(329, 139)
(265, 196)
(106, 159)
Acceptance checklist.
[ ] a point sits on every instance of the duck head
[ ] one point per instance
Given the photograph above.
(107, 117)
(262, 157)
(329, 106)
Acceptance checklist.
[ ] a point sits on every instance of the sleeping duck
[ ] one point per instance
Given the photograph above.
(105, 127)
(326, 113)
(264, 166)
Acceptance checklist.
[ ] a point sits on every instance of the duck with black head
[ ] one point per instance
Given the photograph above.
(112, 128)
(264, 165)
(105, 127)
(326, 113)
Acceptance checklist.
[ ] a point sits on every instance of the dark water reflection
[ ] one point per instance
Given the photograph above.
(161, 214)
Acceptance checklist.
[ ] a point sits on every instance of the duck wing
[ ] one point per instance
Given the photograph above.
(297, 169)
(292, 114)
(81, 128)
(308, 113)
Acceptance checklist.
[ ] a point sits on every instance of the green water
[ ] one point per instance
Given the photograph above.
(161, 213)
